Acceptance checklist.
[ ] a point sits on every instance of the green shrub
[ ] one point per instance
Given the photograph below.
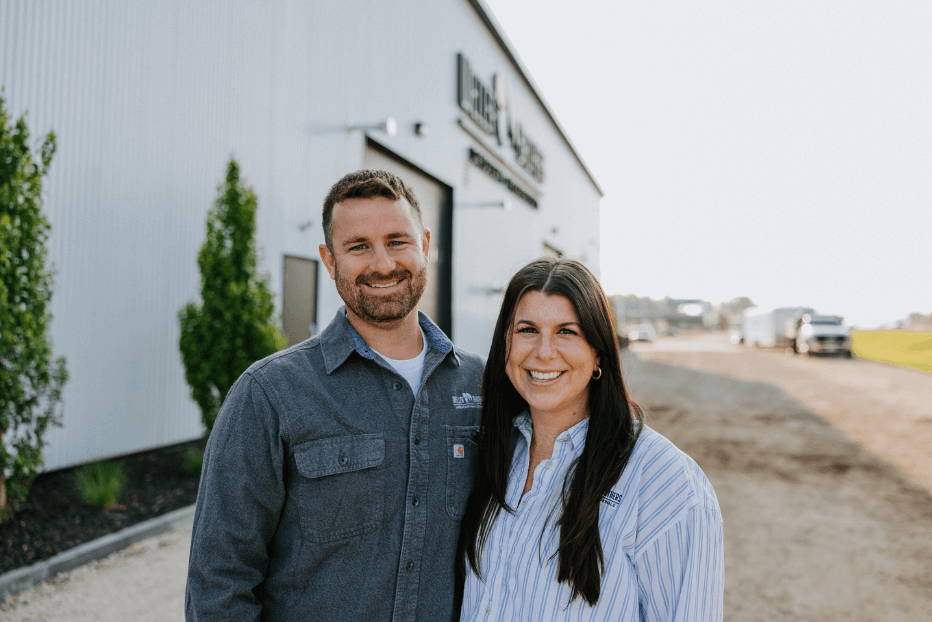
(30, 379)
(100, 483)
(234, 325)
(193, 460)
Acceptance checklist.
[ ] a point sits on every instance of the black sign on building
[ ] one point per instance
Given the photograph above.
(488, 107)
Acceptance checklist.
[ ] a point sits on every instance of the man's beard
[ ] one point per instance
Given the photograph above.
(382, 308)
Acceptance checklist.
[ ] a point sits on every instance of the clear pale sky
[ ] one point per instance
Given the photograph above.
(781, 151)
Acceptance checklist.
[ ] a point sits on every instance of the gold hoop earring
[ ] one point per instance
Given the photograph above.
(598, 370)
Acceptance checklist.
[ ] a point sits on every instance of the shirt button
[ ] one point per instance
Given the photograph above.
(524, 504)
(343, 460)
(417, 440)
(488, 609)
(414, 501)
(410, 566)
(397, 386)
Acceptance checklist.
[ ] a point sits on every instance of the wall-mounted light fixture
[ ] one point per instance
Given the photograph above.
(504, 204)
(496, 288)
(389, 126)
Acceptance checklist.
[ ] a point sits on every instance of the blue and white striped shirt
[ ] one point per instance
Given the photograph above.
(661, 532)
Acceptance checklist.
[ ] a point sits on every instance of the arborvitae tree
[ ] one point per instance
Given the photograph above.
(30, 379)
(234, 325)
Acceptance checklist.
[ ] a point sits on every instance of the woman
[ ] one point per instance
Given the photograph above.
(604, 518)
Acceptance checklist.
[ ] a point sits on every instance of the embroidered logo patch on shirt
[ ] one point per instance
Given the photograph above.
(467, 401)
(612, 499)
(459, 451)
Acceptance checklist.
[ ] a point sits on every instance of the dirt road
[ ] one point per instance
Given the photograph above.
(816, 526)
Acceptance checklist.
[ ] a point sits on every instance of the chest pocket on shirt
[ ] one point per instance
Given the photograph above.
(340, 488)
(461, 460)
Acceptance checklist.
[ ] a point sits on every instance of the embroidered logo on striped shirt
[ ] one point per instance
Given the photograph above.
(612, 499)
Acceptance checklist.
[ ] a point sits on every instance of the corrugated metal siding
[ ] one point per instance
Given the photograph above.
(149, 100)
(120, 243)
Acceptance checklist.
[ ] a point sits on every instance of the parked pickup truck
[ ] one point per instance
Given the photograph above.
(820, 334)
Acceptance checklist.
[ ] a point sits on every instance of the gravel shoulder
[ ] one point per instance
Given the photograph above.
(818, 466)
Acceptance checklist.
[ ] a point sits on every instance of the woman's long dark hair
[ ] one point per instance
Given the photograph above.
(610, 439)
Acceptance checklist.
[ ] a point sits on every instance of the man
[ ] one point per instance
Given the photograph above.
(337, 471)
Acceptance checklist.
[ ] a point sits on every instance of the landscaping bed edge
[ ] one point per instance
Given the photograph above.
(24, 578)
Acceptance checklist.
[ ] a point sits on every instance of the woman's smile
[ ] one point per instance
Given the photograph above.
(541, 376)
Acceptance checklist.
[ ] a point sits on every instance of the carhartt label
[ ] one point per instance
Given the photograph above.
(459, 451)
(467, 401)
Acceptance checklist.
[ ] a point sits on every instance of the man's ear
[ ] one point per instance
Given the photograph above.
(329, 260)
(425, 244)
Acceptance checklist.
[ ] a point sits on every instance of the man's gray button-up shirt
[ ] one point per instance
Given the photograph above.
(328, 493)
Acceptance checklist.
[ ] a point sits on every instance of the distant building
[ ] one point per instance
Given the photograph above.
(149, 100)
(669, 313)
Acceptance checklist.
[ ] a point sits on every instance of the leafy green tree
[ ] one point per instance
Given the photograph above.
(30, 380)
(234, 325)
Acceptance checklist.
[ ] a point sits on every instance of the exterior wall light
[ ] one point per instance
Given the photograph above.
(389, 126)
(504, 204)
(496, 288)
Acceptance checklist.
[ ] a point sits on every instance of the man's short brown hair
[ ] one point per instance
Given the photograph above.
(366, 184)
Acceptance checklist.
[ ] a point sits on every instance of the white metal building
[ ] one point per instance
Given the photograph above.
(150, 99)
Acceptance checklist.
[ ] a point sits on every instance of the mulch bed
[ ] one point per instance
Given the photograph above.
(53, 518)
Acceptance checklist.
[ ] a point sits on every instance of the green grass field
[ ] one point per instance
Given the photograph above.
(907, 349)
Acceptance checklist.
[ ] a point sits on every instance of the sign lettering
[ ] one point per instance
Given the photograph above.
(488, 107)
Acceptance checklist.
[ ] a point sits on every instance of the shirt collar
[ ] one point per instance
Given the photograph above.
(575, 436)
(340, 339)
(522, 424)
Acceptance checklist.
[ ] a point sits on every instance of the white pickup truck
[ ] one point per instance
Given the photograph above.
(820, 334)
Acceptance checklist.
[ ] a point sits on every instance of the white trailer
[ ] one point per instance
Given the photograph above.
(767, 329)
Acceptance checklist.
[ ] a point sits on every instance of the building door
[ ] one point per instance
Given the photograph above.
(300, 299)
(436, 201)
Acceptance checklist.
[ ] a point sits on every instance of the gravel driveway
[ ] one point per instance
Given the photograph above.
(816, 526)
(143, 583)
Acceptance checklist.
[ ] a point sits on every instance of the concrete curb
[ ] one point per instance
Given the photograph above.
(24, 578)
